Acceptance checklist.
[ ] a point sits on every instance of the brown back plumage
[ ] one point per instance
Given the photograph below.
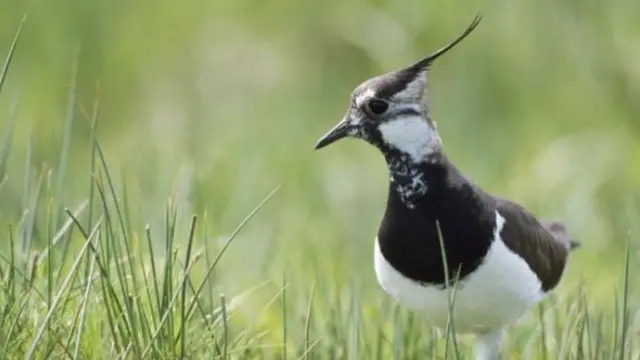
(545, 245)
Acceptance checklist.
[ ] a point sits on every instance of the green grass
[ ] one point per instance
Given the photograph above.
(109, 251)
(102, 289)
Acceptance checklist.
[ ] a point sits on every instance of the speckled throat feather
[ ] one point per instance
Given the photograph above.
(407, 177)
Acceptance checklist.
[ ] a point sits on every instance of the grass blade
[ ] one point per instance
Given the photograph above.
(233, 235)
(12, 50)
(61, 291)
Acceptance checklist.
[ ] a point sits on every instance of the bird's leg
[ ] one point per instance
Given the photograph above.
(488, 345)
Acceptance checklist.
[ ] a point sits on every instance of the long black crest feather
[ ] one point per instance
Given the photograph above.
(429, 59)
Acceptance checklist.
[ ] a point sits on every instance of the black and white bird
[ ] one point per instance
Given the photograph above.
(503, 259)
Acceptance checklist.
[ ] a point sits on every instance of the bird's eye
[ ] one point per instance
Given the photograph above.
(376, 107)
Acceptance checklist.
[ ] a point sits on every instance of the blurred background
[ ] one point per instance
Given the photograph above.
(219, 101)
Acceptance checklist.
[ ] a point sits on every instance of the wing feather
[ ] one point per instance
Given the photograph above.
(545, 246)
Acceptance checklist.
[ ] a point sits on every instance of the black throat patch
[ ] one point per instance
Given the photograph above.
(410, 179)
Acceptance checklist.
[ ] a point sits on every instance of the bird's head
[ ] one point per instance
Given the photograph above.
(390, 111)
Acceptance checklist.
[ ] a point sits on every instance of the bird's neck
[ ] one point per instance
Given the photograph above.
(411, 179)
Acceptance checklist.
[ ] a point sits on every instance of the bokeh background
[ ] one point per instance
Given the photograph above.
(219, 101)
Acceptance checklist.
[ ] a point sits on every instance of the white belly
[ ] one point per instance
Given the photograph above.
(498, 292)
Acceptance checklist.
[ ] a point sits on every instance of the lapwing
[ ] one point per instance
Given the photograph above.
(500, 258)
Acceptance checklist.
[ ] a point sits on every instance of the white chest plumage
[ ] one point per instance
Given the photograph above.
(500, 291)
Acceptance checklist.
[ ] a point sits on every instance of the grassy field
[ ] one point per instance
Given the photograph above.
(160, 198)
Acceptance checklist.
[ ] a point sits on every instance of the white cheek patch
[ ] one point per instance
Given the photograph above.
(411, 135)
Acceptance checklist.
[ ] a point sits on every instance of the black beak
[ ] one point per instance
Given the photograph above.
(338, 132)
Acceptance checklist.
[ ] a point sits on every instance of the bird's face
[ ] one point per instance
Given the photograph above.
(391, 112)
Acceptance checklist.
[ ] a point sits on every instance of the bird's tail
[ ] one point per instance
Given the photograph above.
(559, 231)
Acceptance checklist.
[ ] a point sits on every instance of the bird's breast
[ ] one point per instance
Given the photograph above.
(500, 290)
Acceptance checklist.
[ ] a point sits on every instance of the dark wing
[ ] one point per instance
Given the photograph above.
(544, 246)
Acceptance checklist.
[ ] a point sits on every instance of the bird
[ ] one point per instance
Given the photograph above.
(441, 231)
